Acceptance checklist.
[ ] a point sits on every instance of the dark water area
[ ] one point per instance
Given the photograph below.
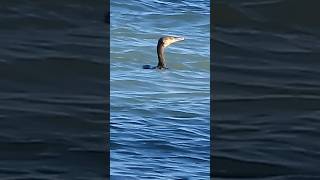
(266, 85)
(53, 89)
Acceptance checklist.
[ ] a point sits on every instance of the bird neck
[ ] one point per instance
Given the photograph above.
(161, 60)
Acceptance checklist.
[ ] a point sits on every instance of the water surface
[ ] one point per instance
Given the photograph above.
(52, 90)
(159, 119)
(266, 80)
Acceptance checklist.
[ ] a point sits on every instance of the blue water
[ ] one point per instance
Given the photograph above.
(159, 120)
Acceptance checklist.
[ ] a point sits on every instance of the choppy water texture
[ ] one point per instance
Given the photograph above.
(159, 119)
(267, 90)
(52, 89)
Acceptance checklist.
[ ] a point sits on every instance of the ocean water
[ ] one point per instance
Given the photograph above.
(266, 86)
(159, 120)
(53, 90)
(54, 87)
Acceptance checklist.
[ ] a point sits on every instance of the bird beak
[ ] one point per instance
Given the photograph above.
(176, 39)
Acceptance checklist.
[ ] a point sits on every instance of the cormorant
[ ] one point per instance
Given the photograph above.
(163, 42)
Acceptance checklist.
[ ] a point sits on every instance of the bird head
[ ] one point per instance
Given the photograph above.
(167, 40)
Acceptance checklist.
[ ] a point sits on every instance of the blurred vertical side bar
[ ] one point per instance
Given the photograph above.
(212, 26)
(107, 30)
